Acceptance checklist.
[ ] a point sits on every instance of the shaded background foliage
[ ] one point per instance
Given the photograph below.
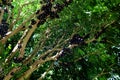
(97, 59)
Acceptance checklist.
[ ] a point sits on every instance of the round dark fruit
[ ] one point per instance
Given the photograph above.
(37, 12)
(58, 7)
(30, 26)
(47, 7)
(54, 15)
(5, 10)
(19, 46)
(12, 6)
(12, 73)
(3, 28)
(23, 26)
(17, 60)
(42, 16)
(77, 39)
(33, 22)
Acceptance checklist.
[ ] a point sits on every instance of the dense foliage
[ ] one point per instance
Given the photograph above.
(59, 39)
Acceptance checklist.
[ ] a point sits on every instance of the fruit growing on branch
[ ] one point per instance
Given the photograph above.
(77, 39)
(3, 28)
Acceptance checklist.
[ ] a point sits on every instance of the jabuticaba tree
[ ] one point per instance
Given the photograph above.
(59, 39)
